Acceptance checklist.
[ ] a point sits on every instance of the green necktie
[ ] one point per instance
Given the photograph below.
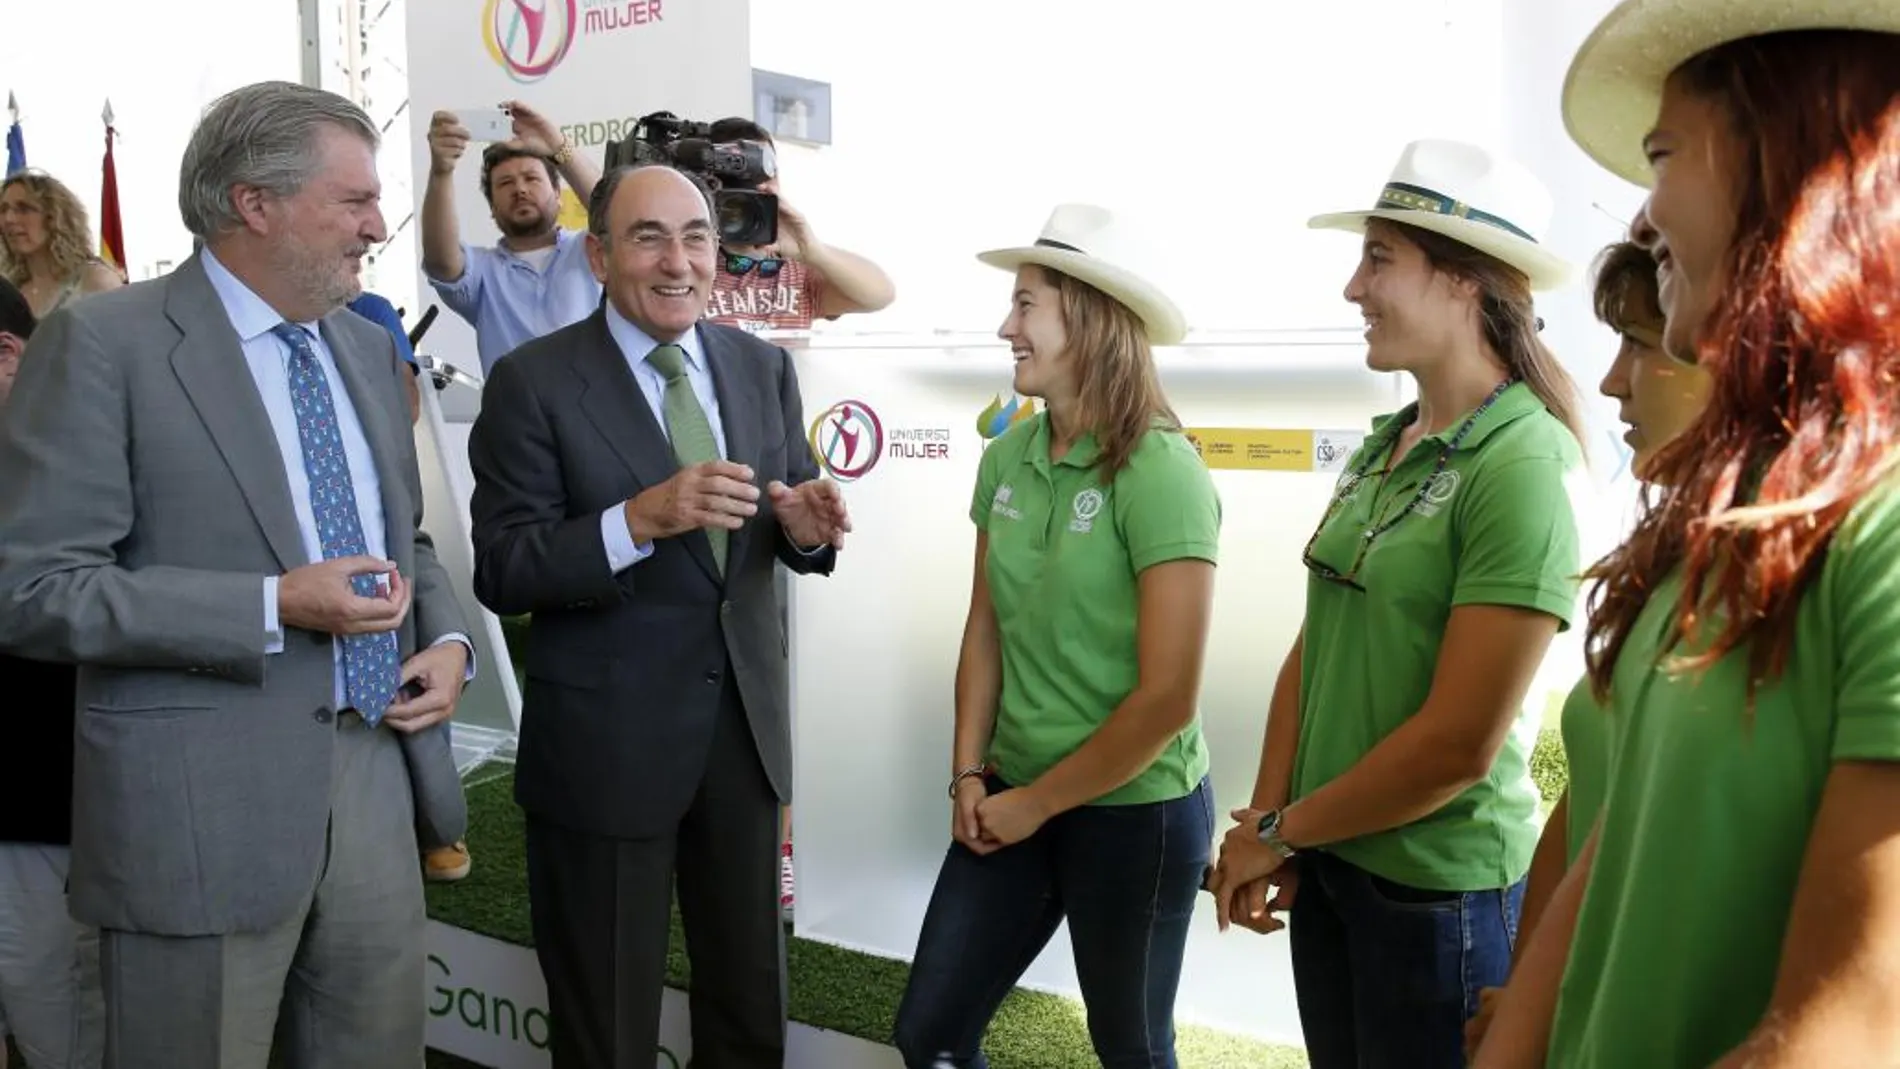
(687, 426)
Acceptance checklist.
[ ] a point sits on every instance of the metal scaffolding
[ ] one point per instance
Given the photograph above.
(359, 49)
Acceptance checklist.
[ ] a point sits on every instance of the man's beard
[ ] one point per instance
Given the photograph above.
(324, 281)
(514, 227)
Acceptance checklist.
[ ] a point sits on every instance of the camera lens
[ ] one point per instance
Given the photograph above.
(747, 217)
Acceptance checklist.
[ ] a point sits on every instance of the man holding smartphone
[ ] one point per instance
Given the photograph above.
(212, 507)
(533, 281)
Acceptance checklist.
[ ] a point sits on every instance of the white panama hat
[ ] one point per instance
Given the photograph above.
(1613, 90)
(1474, 196)
(1090, 243)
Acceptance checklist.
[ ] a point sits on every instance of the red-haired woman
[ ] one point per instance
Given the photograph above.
(1743, 881)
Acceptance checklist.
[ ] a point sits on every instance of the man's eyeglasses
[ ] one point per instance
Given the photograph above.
(1350, 485)
(737, 264)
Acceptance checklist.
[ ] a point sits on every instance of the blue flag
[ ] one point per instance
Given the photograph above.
(16, 148)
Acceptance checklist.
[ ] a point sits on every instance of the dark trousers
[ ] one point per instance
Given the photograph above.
(600, 909)
(1125, 877)
(1388, 974)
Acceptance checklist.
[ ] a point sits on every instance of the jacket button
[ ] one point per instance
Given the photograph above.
(725, 608)
(323, 715)
(712, 676)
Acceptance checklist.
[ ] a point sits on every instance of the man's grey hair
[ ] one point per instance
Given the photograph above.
(603, 197)
(263, 135)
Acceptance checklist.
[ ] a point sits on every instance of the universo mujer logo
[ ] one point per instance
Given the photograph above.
(499, 1016)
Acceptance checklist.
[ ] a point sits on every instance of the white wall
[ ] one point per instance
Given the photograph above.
(160, 64)
(1229, 121)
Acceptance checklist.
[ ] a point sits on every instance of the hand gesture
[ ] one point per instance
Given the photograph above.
(534, 131)
(1242, 876)
(448, 138)
(717, 493)
(812, 513)
(1009, 818)
(438, 673)
(319, 597)
(964, 826)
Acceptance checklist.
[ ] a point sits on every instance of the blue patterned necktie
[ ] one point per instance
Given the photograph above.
(371, 670)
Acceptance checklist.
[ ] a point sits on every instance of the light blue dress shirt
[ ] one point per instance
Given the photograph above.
(509, 301)
(267, 358)
(635, 345)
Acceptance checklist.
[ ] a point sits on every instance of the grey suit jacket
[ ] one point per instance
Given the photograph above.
(142, 502)
(625, 672)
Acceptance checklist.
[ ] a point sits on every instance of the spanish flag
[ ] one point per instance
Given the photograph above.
(111, 233)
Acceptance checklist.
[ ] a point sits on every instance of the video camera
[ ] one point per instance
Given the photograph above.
(746, 216)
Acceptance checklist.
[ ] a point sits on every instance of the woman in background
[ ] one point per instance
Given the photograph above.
(1078, 773)
(1658, 397)
(46, 244)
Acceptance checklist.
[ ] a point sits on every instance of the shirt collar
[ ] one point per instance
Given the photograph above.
(1516, 402)
(1082, 453)
(250, 314)
(637, 343)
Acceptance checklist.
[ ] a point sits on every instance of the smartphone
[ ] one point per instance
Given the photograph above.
(486, 124)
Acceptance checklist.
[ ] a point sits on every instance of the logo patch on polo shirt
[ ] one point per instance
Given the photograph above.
(1438, 492)
(1088, 504)
(999, 505)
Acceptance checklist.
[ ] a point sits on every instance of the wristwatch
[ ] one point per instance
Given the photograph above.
(564, 153)
(1270, 833)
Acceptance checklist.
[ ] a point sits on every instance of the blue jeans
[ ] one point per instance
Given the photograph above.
(1124, 876)
(1387, 974)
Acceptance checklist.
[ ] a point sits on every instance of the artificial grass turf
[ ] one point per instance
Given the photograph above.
(831, 988)
(842, 990)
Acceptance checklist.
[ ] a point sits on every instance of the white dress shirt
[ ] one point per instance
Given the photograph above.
(268, 359)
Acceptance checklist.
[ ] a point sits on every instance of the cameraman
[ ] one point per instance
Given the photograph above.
(797, 279)
(536, 280)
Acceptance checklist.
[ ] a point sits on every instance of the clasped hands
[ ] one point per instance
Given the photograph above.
(320, 597)
(1246, 872)
(987, 822)
(721, 494)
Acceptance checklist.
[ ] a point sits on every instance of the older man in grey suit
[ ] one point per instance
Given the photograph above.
(212, 506)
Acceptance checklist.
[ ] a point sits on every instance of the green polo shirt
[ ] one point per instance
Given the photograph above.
(1710, 807)
(1586, 732)
(1495, 528)
(1064, 554)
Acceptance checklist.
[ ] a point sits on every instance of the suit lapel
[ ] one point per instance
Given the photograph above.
(739, 418)
(371, 412)
(210, 366)
(619, 411)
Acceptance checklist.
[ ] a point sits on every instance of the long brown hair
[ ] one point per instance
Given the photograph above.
(68, 230)
(1509, 318)
(1118, 391)
(1804, 418)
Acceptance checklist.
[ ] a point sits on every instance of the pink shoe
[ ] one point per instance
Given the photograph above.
(786, 882)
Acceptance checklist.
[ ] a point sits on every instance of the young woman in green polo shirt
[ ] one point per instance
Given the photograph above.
(1738, 903)
(1659, 397)
(1395, 773)
(1079, 775)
